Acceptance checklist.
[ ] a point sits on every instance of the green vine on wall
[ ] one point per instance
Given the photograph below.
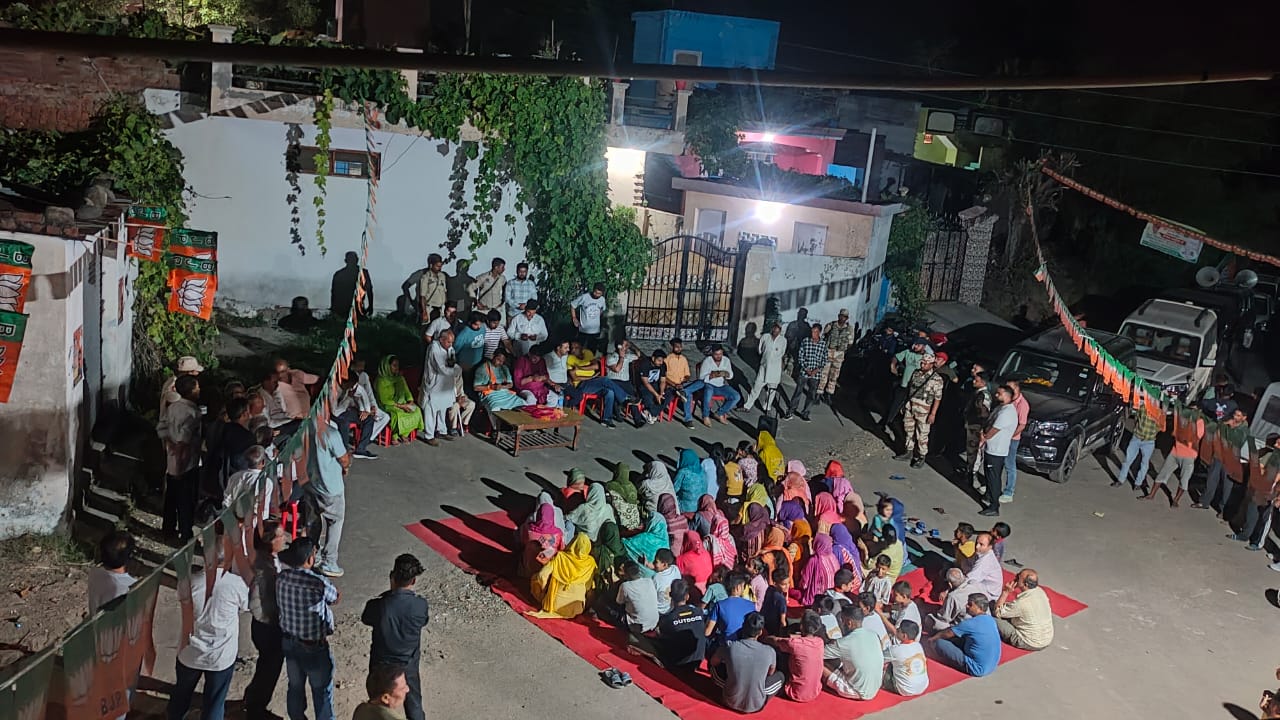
(324, 124)
(292, 175)
(902, 259)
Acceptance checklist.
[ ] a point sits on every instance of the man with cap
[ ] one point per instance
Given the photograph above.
(904, 365)
(924, 393)
(773, 351)
(187, 365)
(839, 336)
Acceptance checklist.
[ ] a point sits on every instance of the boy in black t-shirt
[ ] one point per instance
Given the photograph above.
(651, 385)
(774, 608)
(681, 639)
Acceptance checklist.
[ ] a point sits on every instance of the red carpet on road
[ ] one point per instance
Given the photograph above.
(481, 545)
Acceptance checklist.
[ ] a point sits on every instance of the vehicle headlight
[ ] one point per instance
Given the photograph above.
(1176, 389)
(1053, 428)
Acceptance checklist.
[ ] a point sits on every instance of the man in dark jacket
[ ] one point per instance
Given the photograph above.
(397, 617)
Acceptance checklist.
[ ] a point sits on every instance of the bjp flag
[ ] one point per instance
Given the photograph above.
(15, 274)
(193, 282)
(13, 326)
(145, 232)
(194, 243)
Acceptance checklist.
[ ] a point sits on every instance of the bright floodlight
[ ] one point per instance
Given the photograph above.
(769, 212)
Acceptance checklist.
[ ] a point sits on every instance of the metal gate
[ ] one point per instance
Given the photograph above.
(942, 265)
(689, 291)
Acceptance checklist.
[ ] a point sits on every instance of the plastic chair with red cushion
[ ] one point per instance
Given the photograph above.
(593, 397)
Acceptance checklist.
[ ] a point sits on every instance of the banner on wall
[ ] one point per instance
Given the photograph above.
(13, 327)
(145, 231)
(15, 274)
(193, 282)
(194, 243)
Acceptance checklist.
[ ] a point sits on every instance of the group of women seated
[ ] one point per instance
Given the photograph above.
(742, 509)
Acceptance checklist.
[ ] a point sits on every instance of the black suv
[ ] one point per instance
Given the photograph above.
(1072, 411)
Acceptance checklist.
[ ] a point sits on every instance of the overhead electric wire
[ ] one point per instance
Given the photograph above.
(105, 46)
(1139, 158)
(946, 71)
(1103, 123)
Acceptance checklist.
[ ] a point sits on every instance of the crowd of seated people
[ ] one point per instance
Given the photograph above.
(774, 581)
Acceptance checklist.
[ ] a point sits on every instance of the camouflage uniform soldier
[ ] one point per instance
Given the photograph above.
(924, 392)
(976, 412)
(839, 336)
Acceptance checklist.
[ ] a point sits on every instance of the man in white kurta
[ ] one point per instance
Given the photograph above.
(438, 383)
(773, 350)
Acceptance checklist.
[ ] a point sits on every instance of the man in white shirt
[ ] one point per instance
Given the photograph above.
(587, 310)
(715, 372)
(447, 321)
(439, 388)
(986, 575)
(211, 649)
(187, 365)
(179, 430)
(995, 444)
(365, 399)
(773, 351)
(520, 290)
(527, 329)
(350, 410)
(293, 388)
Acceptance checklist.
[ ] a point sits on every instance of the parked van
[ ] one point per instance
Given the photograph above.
(1177, 345)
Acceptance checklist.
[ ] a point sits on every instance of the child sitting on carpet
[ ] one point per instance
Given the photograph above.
(844, 590)
(775, 602)
(900, 608)
(804, 654)
(724, 620)
(908, 672)
(879, 583)
(871, 620)
(715, 587)
(962, 542)
(825, 606)
(665, 572)
(1000, 531)
(638, 599)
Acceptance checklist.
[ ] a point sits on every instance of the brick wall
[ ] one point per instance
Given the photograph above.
(48, 91)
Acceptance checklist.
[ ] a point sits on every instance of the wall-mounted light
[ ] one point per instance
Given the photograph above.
(769, 137)
(768, 212)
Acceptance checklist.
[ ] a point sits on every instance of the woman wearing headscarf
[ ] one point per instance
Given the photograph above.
(894, 548)
(797, 467)
(590, 515)
(694, 561)
(756, 495)
(795, 487)
(734, 487)
(562, 584)
(574, 492)
(790, 512)
(394, 397)
(846, 550)
(677, 525)
(749, 467)
(690, 483)
(606, 551)
(770, 456)
(752, 533)
(837, 484)
(724, 551)
(819, 574)
(540, 538)
(798, 548)
(711, 475)
(656, 483)
(641, 546)
(824, 510)
(775, 550)
(624, 499)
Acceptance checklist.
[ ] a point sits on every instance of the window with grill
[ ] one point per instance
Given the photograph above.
(342, 163)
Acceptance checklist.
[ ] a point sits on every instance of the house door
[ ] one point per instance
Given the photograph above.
(943, 259)
(689, 291)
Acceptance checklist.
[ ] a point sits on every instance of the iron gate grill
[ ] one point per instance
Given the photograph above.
(689, 291)
(943, 260)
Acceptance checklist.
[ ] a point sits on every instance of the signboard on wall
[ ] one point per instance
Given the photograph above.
(1172, 241)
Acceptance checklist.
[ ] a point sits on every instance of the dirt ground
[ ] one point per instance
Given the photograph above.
(43, 584)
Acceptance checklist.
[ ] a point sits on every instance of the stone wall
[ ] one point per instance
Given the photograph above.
(50, 91)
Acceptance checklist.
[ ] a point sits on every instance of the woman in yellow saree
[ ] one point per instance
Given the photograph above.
(562, 584)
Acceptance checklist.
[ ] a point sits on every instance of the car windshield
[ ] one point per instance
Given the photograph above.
(1050, 374)
(1163, 344)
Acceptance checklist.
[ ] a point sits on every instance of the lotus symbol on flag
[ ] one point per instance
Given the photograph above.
(191, 294)
(10, 287)
(144, 241)
(80, 682)
(134, 626)
(109, 639)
